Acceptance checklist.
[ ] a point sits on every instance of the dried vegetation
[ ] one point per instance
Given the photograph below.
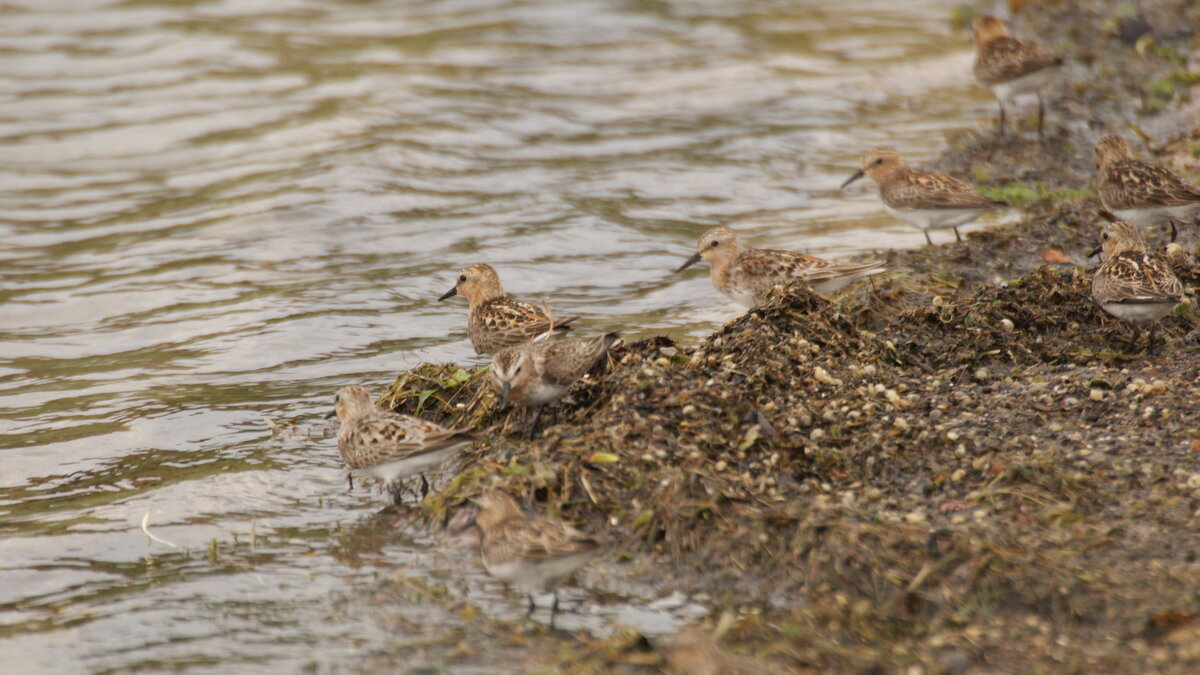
(949, 485)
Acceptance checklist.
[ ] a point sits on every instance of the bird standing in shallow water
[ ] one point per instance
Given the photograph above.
(1009, 66)
(389, 446)
(494, 319)
(527, 551)
(1131, 284)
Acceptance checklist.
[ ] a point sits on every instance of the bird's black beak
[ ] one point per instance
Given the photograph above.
(690, 261)
(449, 294)
(332, 414)
(1096, 251)
(854, 176)
(507, 389)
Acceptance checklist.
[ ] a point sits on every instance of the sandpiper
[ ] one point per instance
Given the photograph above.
(496, 320)
(1009, 66)
(1142, 193)
(926, 199)
(1131, 284)
(537, 373)
(747, 274)
(529, 552)
(389, 446)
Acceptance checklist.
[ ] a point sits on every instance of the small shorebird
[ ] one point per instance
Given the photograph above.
(747, 274)
(537, 373)
(1131, 284)
(926, 199)
(529, 552)
(496, 320)
(1009, 66)
(389, 446)
(1142, 193)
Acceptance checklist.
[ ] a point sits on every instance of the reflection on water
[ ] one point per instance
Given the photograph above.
(219, 212)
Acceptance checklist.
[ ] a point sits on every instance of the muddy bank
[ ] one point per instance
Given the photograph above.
(956, 468)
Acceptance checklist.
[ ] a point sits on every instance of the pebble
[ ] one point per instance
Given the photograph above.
(1096, 394)
(821, 375)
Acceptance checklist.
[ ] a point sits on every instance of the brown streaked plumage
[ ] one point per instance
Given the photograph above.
(1132, 284)
(530, 552)
(1009, 66)
(387, 445)
(747, 274)
(537, 373)
(926, 199)
(1142, 193)
(496, 320)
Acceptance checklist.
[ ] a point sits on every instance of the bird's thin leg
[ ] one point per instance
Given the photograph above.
(1041, 114)
(350, 482)
(1133, 338)
(397, 492)
(537, 415)
(1174, 231)
(957, 236)
(553, 609)
(531, 606)
(927, 239)
(424, 487)
(1002, 126)
(1153, 334)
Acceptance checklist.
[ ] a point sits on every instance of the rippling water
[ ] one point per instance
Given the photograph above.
(215, 212)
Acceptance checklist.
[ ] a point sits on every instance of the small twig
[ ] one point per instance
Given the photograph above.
(587, 487)
(150, 535)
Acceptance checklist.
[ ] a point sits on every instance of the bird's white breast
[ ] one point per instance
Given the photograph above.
(935, 218)
(1026, 84)
(1139, 312)
(410, 466)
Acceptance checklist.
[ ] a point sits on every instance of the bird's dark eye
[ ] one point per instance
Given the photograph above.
(714, 244)
(1104, 236)
(879, 161)
(337, 398)
(516, 370)
(462, 277)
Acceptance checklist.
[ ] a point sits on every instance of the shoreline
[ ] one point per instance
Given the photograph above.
(955, 468)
